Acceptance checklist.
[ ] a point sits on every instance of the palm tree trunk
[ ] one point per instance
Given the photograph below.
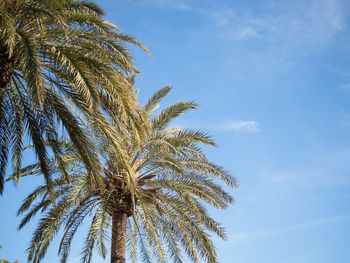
(118, 237)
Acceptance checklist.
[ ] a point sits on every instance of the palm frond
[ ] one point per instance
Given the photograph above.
(161, 121)
(152, 103)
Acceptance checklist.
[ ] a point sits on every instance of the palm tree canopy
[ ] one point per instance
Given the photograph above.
(164, 195)
(59, 57)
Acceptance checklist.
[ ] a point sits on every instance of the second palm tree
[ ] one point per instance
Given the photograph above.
(154, 205)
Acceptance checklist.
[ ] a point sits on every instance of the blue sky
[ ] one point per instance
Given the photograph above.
(272, 79)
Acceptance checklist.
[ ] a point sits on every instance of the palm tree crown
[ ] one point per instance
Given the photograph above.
(58, 57)
(156, 208)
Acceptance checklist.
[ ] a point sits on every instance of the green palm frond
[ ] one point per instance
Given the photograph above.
(152, 103)
(161, 121)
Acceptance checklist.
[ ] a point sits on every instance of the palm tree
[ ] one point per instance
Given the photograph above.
(57, 58)
(156, 208)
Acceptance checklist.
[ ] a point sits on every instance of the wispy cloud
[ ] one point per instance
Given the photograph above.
(312, 23)
(248, 126)
(293, 24)
(335, 14)
(294, 20)
(253, 236)
(174, 4)
(283, 28)
(246, 33)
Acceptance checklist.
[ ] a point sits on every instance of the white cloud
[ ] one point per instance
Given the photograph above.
(291, 25)
(308, 22)
(175, 4)
(246, 33)
(249, 126)
(253, 236)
